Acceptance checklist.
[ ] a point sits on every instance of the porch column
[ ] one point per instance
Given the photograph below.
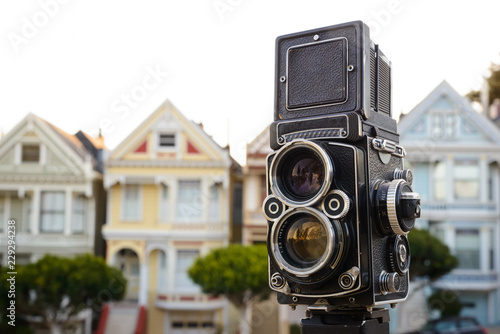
(35, 214)
(68, 210)
(143, 283)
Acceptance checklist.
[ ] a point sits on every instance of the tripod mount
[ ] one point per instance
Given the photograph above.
(346, 321)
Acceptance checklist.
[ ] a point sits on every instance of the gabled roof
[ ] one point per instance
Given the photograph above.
(71, 140)
(260, 145)
(169, 117)
(57, 140)
(462, 103)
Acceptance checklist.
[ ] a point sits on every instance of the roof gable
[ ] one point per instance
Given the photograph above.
(59, 154)
(168, 136)
(447, 117)
(260, 145)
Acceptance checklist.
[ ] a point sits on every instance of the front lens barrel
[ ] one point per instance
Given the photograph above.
(304, 241)
(301, 173)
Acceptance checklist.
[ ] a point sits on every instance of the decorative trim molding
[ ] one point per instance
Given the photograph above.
(120, 234)
(166, 163)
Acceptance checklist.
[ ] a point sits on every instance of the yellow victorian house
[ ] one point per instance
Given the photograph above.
(169, 187)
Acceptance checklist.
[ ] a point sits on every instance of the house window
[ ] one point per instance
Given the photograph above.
(30, 153)
(52, 212)
(436, 229)
(443, 126)
(164, 203)
(437, 126)
(20, 210)
(449, 126)
(131, 206)
(214, 206)
(166, 140)
(466, 179)
(440, 180)
(189, 206)
(491, 182)
(467, 248)
(185, 259)
(78, 219)
(491, 251)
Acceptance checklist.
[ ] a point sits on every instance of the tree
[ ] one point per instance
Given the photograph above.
(493, 84)
(430, 258)
(56, 289)
(237, 272)
(446, 302)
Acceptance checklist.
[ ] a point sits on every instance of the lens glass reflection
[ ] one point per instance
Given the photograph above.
(306, 175)
(306, 240)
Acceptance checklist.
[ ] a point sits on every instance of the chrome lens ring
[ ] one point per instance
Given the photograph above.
(305, 162)
(322, 241)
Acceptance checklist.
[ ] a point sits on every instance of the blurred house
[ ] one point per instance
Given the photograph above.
(254, 189)
(51, 185)
(454, 153)
(269, 316)
(169, 193)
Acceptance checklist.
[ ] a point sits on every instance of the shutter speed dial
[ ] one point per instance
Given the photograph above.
(397, 206)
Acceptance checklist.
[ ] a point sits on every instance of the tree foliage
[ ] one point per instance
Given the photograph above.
(493, 84)
(429, 256)
(237, 272)
(445, 301)
(55, 289)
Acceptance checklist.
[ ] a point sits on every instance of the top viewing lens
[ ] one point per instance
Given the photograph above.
(306, 176)
(301, 173)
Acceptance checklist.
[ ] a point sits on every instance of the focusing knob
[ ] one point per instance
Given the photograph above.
(336, 204)
(397, 206)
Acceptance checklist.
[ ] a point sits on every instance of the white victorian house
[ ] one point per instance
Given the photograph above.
(454, 153)
(51, 186)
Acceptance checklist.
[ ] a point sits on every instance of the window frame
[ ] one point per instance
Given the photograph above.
(189, 219)
(161, 147)
(438, 181)
(123, 202)
(52, 211)
(191, 287)
(39, 153)
(476, 252)
(457, 162)
(82, 212)
(443, 125)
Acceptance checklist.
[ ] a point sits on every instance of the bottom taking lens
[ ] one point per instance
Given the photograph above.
(306, 240)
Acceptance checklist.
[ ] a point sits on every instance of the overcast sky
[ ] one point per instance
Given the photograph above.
(85, 65)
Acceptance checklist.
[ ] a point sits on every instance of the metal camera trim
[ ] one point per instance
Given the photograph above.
(266, 201)
(284, 151)
(325, 258)
(347, 204)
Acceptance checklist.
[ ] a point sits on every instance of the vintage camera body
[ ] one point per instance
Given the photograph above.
(339, 202)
